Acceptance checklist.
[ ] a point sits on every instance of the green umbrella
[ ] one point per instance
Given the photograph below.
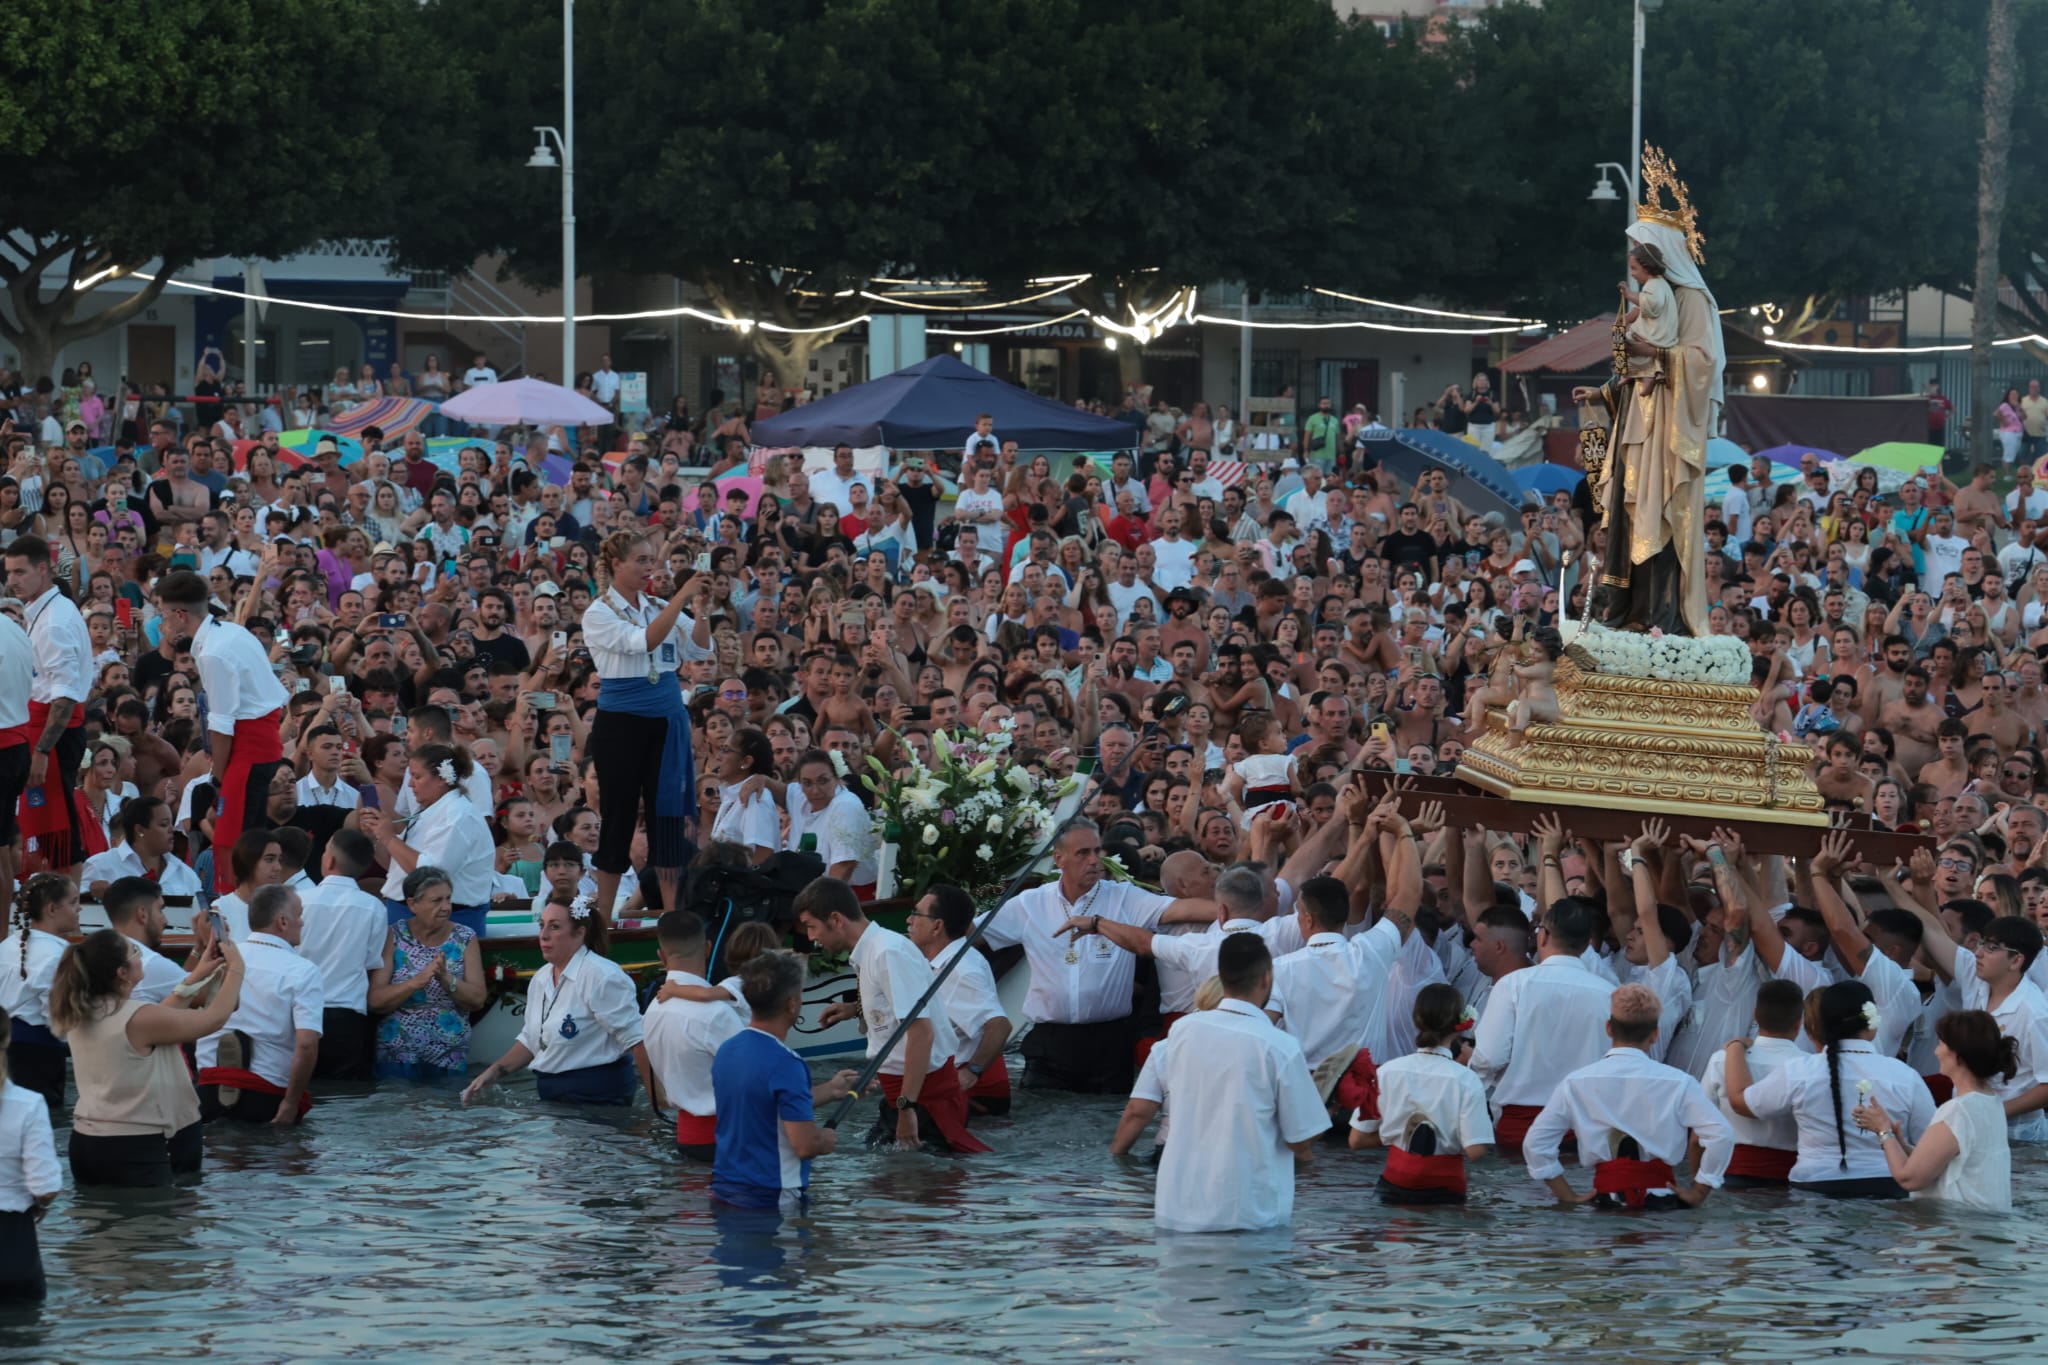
(1908, 457)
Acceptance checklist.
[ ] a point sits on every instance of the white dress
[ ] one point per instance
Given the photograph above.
(1981, 1175)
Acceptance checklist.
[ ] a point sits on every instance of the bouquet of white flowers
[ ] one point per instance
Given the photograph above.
(972, 819)
(1720, 659)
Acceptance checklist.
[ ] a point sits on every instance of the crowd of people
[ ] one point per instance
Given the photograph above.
(363, 716)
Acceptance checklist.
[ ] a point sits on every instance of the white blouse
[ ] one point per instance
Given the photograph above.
(591, 1017)
(450, 835)
(26, 998)
(615, 633)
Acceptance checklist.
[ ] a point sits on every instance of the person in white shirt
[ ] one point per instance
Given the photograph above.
(1963, 1156)
(1881, 951)
(682, 1036)
(343, 932)
(448, 833)
(1943, 552)
(17, 678)
(1648, 935)
(978, 504)
(583, 1035)
(604, 382)
(938, 926)
(1764, 1148)
(256, 862)
(144, 851)
(983, 437)
(1634, 1118)
(48, 916)
(479, 373)
(1431, 1113)
(60, 648)
(1079, 1005)
(1310, 506)
(30, 1181)
(1735, 509)
(828, 820)
(244, 706)
(923, 1102)
(323, 785)
(1822, 1090)
(258, 1068)
(640, 740)
(1992, 976)
(135, 910)
(754, 824)
(1241, 1085)
(836, 485)
(1543, 1023)
(1173, 564)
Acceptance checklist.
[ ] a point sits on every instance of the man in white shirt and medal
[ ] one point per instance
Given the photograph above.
(1082, 1033)
(60, 649)
(244, 708)
(683, 1036)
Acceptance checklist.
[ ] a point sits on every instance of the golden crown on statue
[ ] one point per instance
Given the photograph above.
(1658, 180)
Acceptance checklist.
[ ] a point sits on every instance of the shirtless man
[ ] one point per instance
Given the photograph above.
(177, 500)
(2007, 727)
(1423, 722)
(2028, 700)
(1912, 720)
(1883, 681)
(1837, 776)
(1951, 771)
(1366, 646)
(1977, 507)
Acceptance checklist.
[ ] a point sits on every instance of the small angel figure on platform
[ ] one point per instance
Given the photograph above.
(1537, 702)
(1499, 688)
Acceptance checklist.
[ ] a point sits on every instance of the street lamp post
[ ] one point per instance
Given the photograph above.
(1633, 171)
(1605, 193)
(543, 158)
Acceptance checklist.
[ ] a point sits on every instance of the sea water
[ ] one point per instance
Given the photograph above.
(398, 1225)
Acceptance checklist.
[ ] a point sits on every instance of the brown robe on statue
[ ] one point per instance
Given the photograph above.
(1656, 485)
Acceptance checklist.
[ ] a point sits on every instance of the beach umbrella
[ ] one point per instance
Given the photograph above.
(1475, 479)
(1547, 479)
(1792, 455)
(525, 403)
(738, 477)
(1722, 452)
(1908, 457)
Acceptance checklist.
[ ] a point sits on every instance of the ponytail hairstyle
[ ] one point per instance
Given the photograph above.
(44, 890)
(614, 548)
(1841, 1017)
(1975, 1038)
(596, 929)
(87, 981)
(1439, 1009)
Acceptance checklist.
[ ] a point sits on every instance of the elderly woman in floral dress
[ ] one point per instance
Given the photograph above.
(431, 981)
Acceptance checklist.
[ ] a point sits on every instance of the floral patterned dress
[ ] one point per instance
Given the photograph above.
(429, 1032)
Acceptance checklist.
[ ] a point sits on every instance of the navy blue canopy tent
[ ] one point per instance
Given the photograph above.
(932, 406)
(1477, 480)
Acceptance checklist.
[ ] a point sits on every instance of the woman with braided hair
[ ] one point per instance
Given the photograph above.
(46, 914)
(1823, 1090)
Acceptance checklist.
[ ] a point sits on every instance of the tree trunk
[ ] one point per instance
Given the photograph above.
(35, 346)
(750, 293)
(788, 354)
(1132, 297)
(2001, 78)
(41, 326)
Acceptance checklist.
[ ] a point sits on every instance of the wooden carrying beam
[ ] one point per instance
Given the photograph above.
(1465, 806)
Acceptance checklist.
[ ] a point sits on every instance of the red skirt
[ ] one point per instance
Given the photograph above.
(238, 1078)
(1412, 1172)
(1631, 1179)
(946, 1103)
(256, 742)
(1761, 1163)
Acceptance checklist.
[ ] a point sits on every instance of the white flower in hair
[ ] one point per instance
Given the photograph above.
(446, 771)
(1871, 1018)
(838, 761)
(581, 907)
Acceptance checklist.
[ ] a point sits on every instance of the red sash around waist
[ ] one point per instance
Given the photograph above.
(1761, 1163)
(1941, 1087)
(1142, 1049)
(1631, 1179)
(945, 1101)
(47, 813)
(1412, 1172)
(239, 1078)
(256, 741)
(992, 1084)
(695, 1130)
(14, 736)
(1513, 1124)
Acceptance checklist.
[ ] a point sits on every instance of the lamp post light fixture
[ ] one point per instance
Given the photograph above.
(544, 159)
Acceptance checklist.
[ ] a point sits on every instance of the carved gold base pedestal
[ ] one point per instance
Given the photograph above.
(1640, 744)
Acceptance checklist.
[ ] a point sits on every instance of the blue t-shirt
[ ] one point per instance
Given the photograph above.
(759, 1084)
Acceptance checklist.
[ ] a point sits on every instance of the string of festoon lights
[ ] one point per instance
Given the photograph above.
(1770, 315)
(1143, 326)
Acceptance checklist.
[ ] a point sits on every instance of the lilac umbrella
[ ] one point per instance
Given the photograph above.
(1792, 454)
(525, 403)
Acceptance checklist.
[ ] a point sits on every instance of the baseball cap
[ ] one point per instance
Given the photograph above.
(548, 590)
(1523, 566)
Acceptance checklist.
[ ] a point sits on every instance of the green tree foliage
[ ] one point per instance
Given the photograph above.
(182, 130)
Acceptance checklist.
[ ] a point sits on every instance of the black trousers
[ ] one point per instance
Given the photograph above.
(705, 1152)
(1862, 1187)
(21, 1259)
(250, 1107)
(347, 1046)
(139, 1160)
(627, 750)
(13, 782)
(41, 1069)
(1088, 1059)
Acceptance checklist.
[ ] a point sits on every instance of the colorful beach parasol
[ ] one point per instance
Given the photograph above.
(1908, 457)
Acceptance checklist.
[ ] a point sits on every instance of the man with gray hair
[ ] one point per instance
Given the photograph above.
(256, 1069)
(1083, 1037)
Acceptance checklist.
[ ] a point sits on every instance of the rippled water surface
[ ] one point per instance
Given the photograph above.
(396, 1224)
